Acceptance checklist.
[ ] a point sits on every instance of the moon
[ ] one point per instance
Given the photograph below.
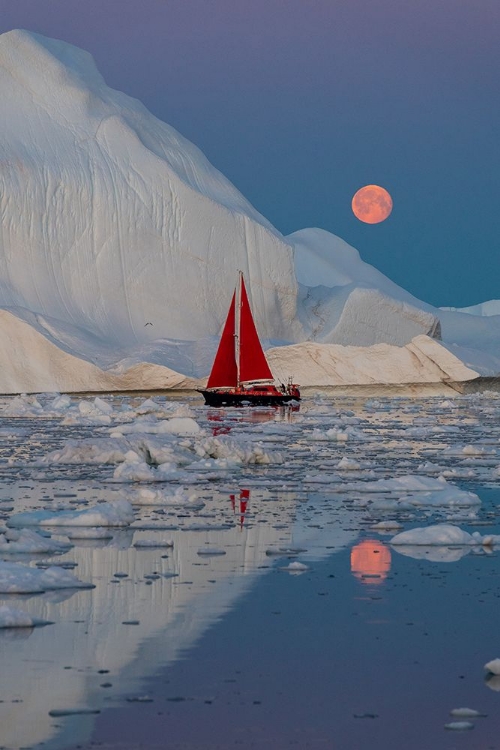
(372, 204)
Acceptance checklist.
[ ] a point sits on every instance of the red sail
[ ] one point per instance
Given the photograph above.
(224, 372)
(253, 362)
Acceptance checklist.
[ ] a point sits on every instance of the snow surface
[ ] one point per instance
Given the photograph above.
(121, 277)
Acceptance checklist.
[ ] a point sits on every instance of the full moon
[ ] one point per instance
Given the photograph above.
(372, 204)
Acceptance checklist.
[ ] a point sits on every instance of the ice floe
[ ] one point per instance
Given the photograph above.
(11, 617)
(16, 578)
(26, 541)
(444, 534)
(493, 666)
(118, 513)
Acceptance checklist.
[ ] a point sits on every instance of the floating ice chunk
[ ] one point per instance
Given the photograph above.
(386, 526)
(60, 403)
(448, 405)
(91, 451)
(22, 406)
(440, 534)
(10, 617)
(180, 498)
(150, 424)
(148, 406)
(182, 426)
(295, 567)
(473, 450)
(434, 553)
(285, 551)
(236, 452)
(488, 540)
(16, 578)
(95, 409)
(26, 541)
(339, 435)
(493, 666)
(102, 405)
(117, 513)
(152, 543)
(447, 497)
(140, 471)
(211, 551)
(409, 483)
(459, 726)
(466, 713)
(348, 464)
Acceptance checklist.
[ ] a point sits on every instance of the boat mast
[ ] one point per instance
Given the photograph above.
(237, 328)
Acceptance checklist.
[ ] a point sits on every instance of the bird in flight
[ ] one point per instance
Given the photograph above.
(147, 324)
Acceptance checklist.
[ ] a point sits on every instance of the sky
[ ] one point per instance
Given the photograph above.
(302, 102)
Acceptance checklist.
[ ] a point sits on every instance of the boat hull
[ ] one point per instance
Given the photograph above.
(232, 398)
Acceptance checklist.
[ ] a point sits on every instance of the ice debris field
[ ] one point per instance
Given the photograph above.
(132, 517)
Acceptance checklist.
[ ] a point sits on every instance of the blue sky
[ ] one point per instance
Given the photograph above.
(301, 102)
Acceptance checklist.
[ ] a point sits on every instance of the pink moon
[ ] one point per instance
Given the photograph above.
(372, 204)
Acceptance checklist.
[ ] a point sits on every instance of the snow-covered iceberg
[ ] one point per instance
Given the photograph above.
(121, 243)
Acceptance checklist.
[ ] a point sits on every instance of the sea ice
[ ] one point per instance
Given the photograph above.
(10, 617)
(493, 666)
(466, 713)
(440, 534)
(26, 541)
(152, 543)
(295, 567)
(16, 578)
(117, 513)
(459, 726)
(180, 498)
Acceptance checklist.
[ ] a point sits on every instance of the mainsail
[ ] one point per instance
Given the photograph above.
(253, 362)
(239, 358)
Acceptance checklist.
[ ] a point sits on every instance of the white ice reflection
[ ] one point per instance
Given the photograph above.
(269, 488)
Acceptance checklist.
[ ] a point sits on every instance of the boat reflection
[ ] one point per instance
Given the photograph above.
(370, 561)
(225, 419)
(243, 503)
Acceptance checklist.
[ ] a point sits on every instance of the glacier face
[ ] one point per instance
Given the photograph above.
(112, 219)
(120, 243)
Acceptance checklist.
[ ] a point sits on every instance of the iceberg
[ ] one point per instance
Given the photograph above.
(121, 244)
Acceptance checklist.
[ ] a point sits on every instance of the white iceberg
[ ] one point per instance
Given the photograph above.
(125, 214)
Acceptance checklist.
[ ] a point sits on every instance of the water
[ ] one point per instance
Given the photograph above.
(368, 645)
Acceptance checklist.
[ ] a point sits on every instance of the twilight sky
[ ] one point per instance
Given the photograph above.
(301, 102)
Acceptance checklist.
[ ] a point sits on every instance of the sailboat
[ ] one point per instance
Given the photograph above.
(240, 373)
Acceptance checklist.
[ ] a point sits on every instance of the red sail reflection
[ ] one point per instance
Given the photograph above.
(370, 561)
(244, 498)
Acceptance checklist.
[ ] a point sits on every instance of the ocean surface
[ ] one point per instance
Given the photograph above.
(254, 599)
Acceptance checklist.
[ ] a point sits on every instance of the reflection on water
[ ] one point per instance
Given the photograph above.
(370, 561)
(152, 605)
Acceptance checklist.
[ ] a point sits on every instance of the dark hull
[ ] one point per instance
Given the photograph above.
(221, 398)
